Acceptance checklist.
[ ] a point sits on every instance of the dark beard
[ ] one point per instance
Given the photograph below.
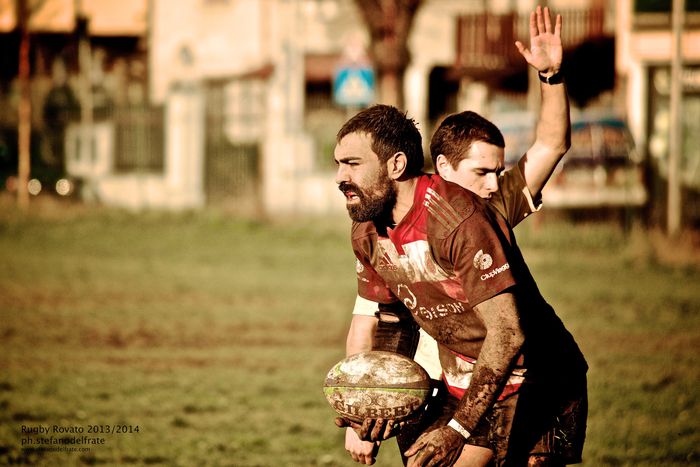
(376, 203)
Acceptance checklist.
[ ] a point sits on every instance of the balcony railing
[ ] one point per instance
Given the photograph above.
(485, 41)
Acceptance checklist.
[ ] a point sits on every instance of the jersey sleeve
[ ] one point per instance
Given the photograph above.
(478, 251)
(513, 199)
(370, 285)
(365, 307)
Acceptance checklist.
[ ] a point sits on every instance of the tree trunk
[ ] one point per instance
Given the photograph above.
(391, 88)
(389, 23)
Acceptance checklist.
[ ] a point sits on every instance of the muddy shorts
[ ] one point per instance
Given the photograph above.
(529, 422)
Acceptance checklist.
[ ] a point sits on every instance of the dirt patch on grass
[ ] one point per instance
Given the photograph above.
(683, 250)
(65, 333)
(639, 343)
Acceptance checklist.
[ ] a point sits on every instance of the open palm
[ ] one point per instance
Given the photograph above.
(545, 52)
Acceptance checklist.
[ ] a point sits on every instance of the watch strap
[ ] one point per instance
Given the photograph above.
(556, 78)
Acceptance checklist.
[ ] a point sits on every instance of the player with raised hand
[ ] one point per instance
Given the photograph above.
(476, 163)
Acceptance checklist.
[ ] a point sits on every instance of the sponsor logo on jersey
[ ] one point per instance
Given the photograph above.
(482, 261)
(495, 272)
(439, 311)
(384, 263)
(404, 293)
(408, 299)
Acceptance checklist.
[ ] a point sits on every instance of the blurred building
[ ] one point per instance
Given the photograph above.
(111, 81)
(236, 102)
(643, 65)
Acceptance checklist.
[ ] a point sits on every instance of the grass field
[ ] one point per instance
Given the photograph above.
(212, 336)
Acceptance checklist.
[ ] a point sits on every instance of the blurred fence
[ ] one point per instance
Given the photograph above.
(485, 40)
(139, 141)
(233, 128)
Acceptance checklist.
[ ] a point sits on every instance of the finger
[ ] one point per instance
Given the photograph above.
(547, 20)
(523, 51)
(377, 430)
(388, 429)
(367, 460)
(414, 461)
(533, 24)
(365, 428)
(540, 21)
(415, 447)
(344, 423)
(369, 453)
(355, 456)
(557, 26)
(339, 422)
(425, 457)
(347, 423)
(438, 459)
(520, 46)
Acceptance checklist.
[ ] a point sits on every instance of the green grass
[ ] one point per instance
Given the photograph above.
(213, 336)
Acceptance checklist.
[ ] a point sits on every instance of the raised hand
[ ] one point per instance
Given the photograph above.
(545, 52)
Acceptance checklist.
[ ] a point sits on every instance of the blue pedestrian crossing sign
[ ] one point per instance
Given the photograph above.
(353, 86)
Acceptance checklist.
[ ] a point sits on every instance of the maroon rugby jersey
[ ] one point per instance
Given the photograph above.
(449, 253)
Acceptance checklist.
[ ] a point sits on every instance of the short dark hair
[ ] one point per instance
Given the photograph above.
(458, 132)
(391, 132)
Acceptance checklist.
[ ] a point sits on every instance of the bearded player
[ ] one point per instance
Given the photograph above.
(514, 195)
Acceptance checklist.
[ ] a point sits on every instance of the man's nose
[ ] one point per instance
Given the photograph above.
(341, 175)
(492, 182)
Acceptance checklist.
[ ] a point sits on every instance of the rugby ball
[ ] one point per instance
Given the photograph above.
(376, 384)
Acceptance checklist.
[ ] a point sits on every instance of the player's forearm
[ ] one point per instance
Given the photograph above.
(499, 351)
(360, 335)
(491, 372)
(553, 131)
(553, 138)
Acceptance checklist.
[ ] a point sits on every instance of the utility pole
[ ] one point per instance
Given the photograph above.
(85, 95)
(24, 127)
(676, 122)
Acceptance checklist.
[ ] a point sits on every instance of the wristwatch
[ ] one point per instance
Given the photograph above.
(556, 78)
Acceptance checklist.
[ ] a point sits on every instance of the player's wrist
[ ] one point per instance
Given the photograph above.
(551, 76)
(455, 425)
(550, 71)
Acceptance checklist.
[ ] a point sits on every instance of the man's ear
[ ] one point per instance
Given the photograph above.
(396, 165)
(442, 165)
